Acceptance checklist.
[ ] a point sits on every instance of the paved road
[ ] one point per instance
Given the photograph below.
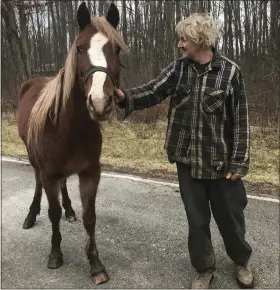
(141, 236)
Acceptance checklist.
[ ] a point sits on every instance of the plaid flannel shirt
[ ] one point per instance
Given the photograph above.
(208, 124)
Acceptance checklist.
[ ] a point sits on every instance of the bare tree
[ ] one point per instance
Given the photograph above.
(36, 36)
(17, 46)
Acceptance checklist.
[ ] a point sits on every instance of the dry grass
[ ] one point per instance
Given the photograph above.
(12, 145)
(139, 148)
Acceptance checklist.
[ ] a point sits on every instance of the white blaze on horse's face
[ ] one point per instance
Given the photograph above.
(97, 58)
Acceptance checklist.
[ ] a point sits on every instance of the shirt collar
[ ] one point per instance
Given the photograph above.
(215, 62)
(217, 58)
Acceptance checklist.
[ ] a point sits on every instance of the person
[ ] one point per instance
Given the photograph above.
(208, 138)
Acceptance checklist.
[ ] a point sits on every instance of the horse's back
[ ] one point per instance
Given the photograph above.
(30, 90)
(28, 96)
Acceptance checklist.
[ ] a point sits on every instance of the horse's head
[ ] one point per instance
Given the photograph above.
(98, 65)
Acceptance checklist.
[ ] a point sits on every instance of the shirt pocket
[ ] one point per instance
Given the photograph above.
(213, 101)
(181, 97)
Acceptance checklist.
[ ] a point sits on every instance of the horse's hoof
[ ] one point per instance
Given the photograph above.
(70, 215)
(29, 222)
(71, 218)
(55, 262)
(100, 278)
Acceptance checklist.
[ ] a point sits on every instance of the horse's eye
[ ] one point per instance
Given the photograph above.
(79, 49)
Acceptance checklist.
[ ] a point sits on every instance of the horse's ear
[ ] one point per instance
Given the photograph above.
(83, 16)
(113, 16)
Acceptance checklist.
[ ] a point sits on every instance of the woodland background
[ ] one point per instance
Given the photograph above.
(36, 36)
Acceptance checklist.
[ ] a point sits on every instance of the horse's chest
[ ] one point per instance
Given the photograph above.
(76, 163)
(72, 153)
(82, 158)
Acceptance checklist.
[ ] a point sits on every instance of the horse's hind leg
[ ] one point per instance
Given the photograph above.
(55, 211)
(66, 203)
(35, 206)
(89, 181)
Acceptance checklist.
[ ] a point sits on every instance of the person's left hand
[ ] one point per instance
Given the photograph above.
(234, 176)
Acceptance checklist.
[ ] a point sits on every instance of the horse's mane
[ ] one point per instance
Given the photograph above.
(57, 91)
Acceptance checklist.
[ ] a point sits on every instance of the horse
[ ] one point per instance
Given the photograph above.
(59, 120)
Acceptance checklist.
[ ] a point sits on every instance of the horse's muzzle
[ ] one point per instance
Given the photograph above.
(101, 108)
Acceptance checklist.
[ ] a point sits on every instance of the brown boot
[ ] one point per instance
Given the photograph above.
(203, 280)
(244, 276)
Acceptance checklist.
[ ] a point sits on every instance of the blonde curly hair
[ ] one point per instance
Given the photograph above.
(199, 28)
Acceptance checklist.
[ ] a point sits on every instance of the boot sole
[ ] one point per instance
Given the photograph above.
(244, 286)
(211, 280)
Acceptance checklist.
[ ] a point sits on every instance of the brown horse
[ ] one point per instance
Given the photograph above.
(59, 122)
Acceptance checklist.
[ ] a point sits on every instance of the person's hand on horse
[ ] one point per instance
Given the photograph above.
(234, 176)
(119, 95)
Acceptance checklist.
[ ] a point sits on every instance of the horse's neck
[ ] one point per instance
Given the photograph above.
(76, 115)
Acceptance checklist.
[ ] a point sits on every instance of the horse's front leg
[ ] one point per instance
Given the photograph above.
(51, 187)
(89, 181)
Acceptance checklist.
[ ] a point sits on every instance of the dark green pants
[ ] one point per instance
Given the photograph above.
(227, 200)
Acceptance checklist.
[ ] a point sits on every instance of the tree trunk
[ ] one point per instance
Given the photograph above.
(59, 35)
(40, 42)
(71, 22)
(55, 37)
(63, 31)
(24, 40)
(14, 41)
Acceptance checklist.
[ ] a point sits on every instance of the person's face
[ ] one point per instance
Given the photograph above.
(188, 47)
